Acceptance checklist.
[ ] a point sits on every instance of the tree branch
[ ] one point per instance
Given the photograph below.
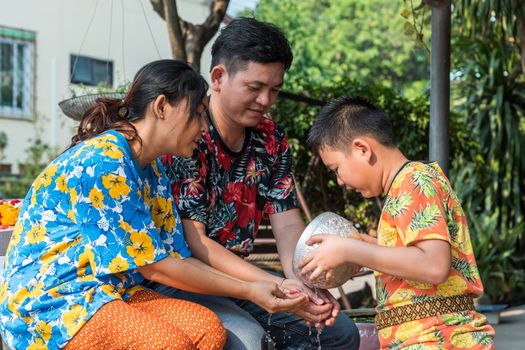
(175, 34)
(212, 23)
(158, 6)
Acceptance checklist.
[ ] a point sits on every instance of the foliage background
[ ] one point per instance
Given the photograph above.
(376, 49)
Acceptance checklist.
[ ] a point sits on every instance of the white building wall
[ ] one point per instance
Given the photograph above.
(118, 32)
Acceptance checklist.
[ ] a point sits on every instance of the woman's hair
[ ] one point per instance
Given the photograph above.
(174, 79)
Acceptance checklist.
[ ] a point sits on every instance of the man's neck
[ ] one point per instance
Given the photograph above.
(232, 134)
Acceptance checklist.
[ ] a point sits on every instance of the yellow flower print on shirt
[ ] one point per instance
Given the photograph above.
(3, 292)
(36, 290)
(71, 216)
(38, 345)
(15, 237)
(147, 195)
(61, 182)
(118, 264)
(85, 259)
(45, 177)
(111, 150)
(73, 196)
(96, 197)
(36, 234)
(125, 226)
(111, 291)
(162, 213)
(44, 330)
(141, 248)
(17, 299)
(116, 185)
(74, 319)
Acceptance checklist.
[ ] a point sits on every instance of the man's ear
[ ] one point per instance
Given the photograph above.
(362, 148)
(217, 76)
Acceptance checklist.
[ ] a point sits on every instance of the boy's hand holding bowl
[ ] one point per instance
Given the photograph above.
(327, 267)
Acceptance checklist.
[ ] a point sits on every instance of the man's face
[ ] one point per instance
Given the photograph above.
(248, 95)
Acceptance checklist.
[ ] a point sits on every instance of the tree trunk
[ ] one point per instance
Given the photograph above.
(187, 40)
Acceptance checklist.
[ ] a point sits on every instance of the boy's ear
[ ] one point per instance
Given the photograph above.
(362, 148)
(217, 76)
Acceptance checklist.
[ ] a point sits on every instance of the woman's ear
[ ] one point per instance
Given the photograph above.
(362, 148)
(158, 106)
(217, 76)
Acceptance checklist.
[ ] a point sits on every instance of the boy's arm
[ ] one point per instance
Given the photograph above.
(426, 261)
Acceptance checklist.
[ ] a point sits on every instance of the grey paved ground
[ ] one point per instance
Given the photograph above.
(510, 332)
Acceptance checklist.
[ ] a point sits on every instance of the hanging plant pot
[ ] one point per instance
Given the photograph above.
(76, 107)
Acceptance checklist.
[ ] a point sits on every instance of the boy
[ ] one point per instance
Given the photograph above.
(425, 268)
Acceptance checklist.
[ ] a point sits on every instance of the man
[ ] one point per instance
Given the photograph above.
(241, 171)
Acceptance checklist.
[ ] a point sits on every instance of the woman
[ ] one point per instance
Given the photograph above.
(100, 218)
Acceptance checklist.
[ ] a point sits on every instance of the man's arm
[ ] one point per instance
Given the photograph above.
(217, 256)
(287, 227)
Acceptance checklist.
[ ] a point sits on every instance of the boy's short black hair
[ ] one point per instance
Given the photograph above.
(246, 40)
(346, 118)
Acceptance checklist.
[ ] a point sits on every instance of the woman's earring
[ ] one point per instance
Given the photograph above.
(162, 116)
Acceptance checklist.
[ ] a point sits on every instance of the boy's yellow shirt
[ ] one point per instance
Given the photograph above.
(421, 205)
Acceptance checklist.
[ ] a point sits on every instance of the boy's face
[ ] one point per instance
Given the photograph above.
(248, 95)
(354, 169)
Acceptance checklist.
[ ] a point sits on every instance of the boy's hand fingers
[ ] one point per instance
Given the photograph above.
(315, 239)
(316, 274)
(306, 261)
(308, 269)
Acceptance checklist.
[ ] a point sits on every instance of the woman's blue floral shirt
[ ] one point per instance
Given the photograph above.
(89, 220)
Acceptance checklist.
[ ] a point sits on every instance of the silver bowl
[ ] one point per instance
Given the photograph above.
(325, 223)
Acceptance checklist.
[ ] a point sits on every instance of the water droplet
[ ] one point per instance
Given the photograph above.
(319, 331)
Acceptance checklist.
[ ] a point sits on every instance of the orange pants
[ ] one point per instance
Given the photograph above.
(149, 320)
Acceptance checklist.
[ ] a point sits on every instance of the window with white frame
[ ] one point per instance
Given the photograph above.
(16, 72)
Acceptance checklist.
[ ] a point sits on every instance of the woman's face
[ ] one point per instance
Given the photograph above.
(182, 130)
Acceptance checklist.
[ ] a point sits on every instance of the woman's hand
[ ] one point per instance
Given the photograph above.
(270, 297)
(322, 308)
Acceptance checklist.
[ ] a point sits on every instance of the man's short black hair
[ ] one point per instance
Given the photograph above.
(246, 40)
(346, 118)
